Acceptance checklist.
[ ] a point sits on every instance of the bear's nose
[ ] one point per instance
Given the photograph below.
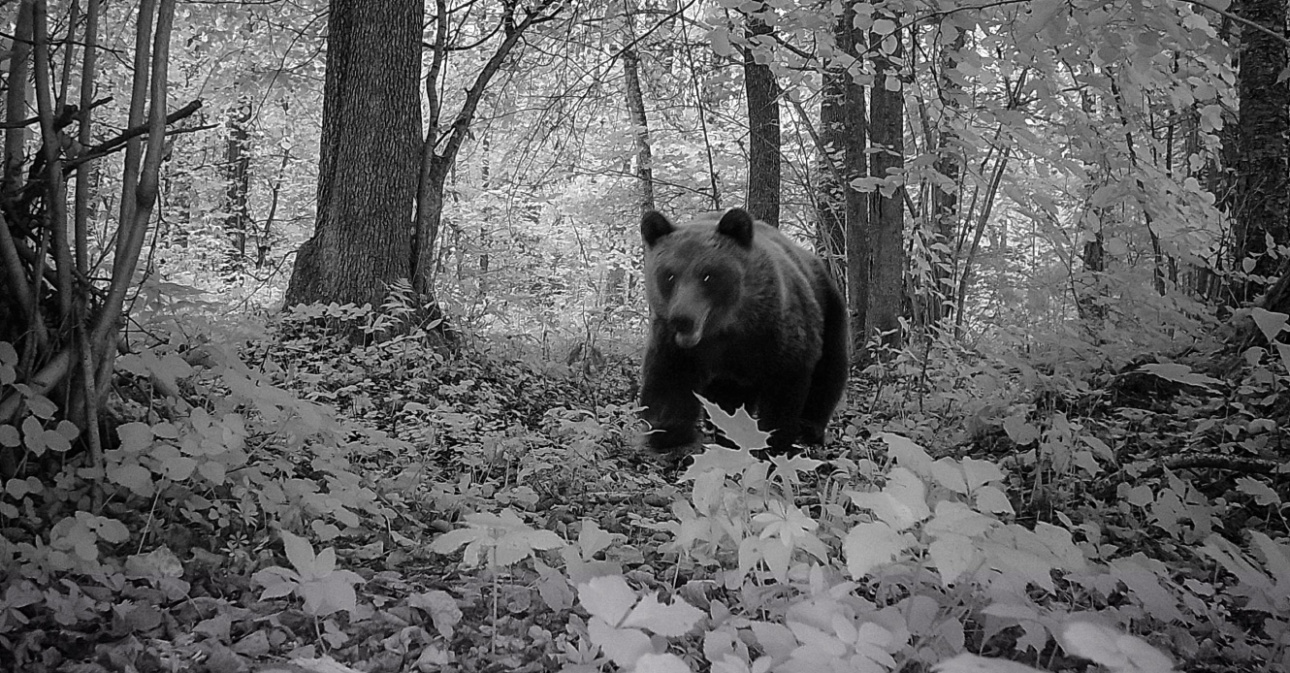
(683, 324)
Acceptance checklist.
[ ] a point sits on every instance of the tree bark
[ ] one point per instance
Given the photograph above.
(886, 207)
(615, 286)
(237, 175)
(763, 126)
(367, 172)
(1262, 198)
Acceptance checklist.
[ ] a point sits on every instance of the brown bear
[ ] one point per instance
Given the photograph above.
(745, 317)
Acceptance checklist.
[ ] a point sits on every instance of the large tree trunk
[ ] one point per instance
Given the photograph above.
(615, 289)
(763, 127)
(886, 210)
(1262, 201)
(367, 172)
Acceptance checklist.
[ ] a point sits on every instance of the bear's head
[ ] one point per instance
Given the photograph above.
(694, 274)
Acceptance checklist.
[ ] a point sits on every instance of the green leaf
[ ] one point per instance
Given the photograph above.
(608, 598)
(135, 437)
(720, 39)
(1180, 373)
(299, 552)
(441, 607)
(1269, 322)
(952, 555)
(1261, 492)
(870, 545)
(1112, 648)
(740, 428)
(673, 620)
(901, 503)
(9, 436)
(134, 477)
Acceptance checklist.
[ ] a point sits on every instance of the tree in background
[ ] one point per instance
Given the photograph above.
(442, 143)
(367, 172)
(886, 249)
(1263, 165)
(762, 92)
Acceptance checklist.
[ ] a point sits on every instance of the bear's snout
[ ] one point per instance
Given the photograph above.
(688, 330)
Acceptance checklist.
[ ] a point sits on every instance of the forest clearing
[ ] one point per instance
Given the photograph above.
(653, 336)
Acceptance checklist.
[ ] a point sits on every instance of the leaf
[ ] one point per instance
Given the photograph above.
(134, 477)
(661, 663)
(908, 454)
(1019, 431)
(1180, 373)
(980, 472)
(9, 436)
(720, 39)
(592, 539)
(1269, 322)
(1261, 492)
(673, 620)
(329, 594)
(299, 552)
(1112, 648)
(870, 545)
(952, 555)
(971, 663)
(41, 406)
(608, 598)
(135, 437)
(740, 428)
(1276, 557)
(450, 541)
(901, 503)
(992, 500)
(623, 646)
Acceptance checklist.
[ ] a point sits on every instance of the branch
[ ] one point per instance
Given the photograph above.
(108, 146)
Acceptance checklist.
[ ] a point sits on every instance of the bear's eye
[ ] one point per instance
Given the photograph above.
(671, 277)
(707, 277)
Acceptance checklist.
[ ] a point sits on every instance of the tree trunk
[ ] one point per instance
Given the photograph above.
(835, 129)
(886, 207)
(440, 147)
(1262, 200)
(763, 127)
(237, 187)
(367, 172)
(15, 136)
(615, 287)
(945, 198)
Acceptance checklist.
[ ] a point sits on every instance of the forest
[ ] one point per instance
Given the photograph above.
(323, 322)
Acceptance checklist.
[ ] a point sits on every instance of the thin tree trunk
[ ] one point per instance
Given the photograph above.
(614, 285)
(237, 187)
(440, 147)
(15, 136)
(763, 127)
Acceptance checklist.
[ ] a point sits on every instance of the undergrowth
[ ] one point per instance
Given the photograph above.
(402, 501)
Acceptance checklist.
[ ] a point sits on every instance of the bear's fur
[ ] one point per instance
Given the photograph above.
(745, 317)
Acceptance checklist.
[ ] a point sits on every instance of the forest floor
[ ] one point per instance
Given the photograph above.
(457, 504)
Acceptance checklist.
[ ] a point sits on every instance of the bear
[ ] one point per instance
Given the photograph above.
(745, 317)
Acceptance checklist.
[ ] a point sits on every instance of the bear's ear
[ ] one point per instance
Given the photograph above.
(655, 226)
(737, 224)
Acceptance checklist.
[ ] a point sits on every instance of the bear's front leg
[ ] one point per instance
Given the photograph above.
(780, 410)
(667, 393)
